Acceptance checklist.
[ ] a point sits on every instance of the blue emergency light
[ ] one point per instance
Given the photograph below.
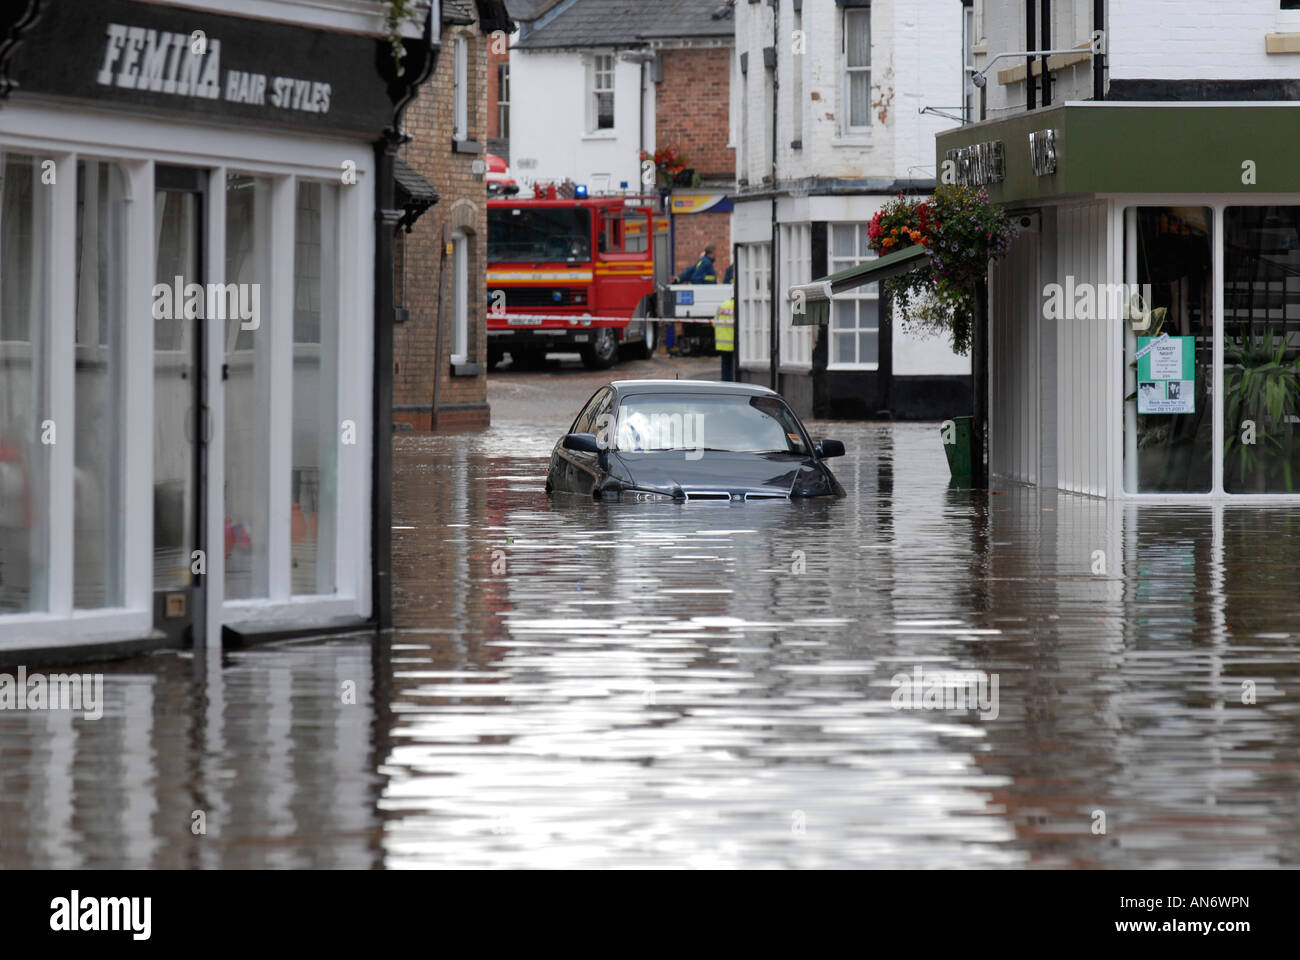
(580, 191)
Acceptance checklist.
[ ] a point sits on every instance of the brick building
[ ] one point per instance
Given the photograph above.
(693, 116)
(439, 263)
(638, 77)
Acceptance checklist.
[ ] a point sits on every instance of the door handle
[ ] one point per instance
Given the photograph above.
(208, 424)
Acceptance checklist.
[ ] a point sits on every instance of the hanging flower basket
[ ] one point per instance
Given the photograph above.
(669, 164)
(963, 233)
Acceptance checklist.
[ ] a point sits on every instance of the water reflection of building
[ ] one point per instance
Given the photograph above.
(280, 765)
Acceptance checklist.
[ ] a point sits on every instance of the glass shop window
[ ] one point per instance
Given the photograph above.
(1261, 349)
(1166, 307)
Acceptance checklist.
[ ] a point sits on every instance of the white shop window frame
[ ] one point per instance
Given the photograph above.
(796, 267)
(870, 292)
(753, 304)
(138, 144)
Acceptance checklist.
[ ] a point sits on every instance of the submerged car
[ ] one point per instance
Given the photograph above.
(690, 440)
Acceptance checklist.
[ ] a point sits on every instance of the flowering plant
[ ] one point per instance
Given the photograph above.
(963, 233)
(668, 163)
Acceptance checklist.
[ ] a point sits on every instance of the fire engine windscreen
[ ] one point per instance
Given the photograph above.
(539, 235)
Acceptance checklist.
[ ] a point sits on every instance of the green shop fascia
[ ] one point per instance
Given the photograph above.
(1144, 330)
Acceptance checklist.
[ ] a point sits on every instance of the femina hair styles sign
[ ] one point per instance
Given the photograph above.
(190, 66)
(169, 59)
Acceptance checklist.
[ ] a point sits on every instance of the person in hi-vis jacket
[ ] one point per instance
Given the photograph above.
(724, 337)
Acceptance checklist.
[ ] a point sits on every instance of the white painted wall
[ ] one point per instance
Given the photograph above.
(1146, 39)
(548, 122)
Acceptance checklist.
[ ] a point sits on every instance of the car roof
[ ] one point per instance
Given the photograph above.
(691, 386)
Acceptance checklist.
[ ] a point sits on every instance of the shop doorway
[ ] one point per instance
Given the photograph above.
(182, 423)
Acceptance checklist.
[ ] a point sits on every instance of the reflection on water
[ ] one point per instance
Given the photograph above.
(577, 684)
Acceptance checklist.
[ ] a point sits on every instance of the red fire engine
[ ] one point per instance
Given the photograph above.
(573, 274)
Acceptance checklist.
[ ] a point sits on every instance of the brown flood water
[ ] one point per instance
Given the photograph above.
(595, 685)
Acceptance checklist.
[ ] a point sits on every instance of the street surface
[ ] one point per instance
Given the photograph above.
(652, 685)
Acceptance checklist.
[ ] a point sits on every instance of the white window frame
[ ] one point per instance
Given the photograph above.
(796, 87)
(138, 145)
(846, 71)
(459, 296)
(460, 89)
(796, 267)
(503, 99)
(596, 72)
(753, 301)
(870, 292)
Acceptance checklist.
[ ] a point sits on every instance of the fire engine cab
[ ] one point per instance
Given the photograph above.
(574, 274)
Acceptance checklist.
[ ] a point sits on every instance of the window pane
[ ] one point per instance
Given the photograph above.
(860, 98)
(24, 226)
(98, 538)
(247, 389)
(1169, 450)
(868, 313)
(868, 345)
(604, 111)
(845, 315)
(843, 239)
(857, 37)
(845, 348)
(1261, 349)
(314, 476)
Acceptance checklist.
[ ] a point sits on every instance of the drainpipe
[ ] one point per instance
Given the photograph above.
(381, 481)
(1099, 44)
(1031, 88)
(774, 350)
(1046, 19)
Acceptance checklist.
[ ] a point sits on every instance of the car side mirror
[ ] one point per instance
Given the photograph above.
(829, 448)
(587, 442)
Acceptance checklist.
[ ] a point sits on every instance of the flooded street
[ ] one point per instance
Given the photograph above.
(660, 685)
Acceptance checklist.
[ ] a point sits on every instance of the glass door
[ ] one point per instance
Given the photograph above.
(180, 420)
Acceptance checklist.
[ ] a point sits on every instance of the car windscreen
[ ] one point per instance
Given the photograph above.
(539, 235)
(679, 421)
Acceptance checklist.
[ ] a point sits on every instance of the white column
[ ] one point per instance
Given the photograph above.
(61, 397)
(278, 326)
(214, 584)
(137, 384)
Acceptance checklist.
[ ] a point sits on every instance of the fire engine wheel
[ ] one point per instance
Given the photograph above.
(603, 351)
(641, 346)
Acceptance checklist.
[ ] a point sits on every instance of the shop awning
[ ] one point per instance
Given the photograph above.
(414, 193)
(817, 294)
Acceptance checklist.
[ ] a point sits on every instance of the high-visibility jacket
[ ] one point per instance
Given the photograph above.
(724, 326)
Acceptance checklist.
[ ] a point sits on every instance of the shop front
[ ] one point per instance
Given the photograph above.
(194, 232)
(1144, 330)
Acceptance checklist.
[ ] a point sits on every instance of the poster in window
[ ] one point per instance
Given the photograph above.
(1166, 374)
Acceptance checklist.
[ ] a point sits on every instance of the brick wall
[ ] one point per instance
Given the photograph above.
(692, 231)
(462, 400)
(692, 115)
(692, 109)
(497, 53)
